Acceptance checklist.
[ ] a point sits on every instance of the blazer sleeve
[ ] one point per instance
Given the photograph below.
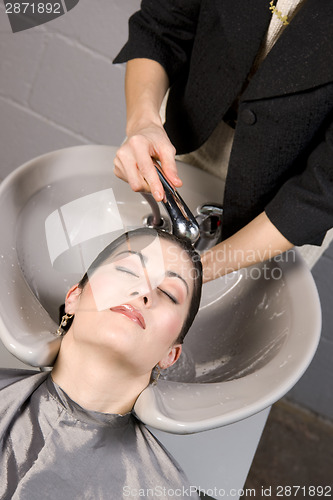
(302, 209)
(163, 30)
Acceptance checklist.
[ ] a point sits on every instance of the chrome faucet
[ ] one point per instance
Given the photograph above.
(203, 231)
(209, 219)
(183, 222)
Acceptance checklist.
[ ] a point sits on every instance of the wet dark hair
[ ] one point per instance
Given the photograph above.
(182, 243)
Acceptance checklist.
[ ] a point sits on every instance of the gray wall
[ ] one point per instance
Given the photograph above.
(58, 88)
(315, 389)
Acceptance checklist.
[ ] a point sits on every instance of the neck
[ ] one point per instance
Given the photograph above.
(95, 382)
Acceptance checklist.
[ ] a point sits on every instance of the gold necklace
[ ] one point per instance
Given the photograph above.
(278, 13)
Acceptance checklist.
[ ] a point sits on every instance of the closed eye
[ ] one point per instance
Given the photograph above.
(171, 297)
(127, 271)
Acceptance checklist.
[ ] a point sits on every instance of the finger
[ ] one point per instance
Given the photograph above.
(126, 169)
(169, 166)
(149, 174)
(118, 169)
(137, 166)
(121, 159)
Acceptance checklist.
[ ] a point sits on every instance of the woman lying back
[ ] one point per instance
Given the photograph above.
(71, 433)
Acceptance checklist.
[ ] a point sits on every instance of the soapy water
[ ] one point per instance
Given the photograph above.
(227, 367)
(204, 369)
(186, 370)
(237, 368)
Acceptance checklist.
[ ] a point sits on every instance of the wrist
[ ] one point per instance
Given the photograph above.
(214, 263)
(142, 119)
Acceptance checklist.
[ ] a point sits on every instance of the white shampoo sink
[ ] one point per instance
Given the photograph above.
(255, 334)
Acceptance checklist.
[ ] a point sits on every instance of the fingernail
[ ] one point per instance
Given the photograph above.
(157, 195)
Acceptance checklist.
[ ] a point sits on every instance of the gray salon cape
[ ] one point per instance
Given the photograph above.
(53, 448)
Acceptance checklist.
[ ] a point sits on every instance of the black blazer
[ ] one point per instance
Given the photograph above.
(282, 155)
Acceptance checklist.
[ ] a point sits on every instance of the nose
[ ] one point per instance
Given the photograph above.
(145, 297)
(144, 291)
(147, 300)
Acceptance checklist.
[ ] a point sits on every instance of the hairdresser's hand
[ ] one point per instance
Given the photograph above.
(133, 162)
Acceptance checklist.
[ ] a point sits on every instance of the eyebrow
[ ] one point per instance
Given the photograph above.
(144, 259)
(172, 274)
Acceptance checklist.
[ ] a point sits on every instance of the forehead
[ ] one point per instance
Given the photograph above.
(151, 256)
(152, 249)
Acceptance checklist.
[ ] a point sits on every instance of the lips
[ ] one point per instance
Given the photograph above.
(131, 313)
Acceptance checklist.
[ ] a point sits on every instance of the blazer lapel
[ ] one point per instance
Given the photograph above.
(301, 58)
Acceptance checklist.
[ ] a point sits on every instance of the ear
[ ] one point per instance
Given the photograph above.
(72, 299)
(171, 357)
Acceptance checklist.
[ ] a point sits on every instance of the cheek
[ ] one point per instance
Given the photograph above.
(169, 323)
(87, 317)
(94, 328)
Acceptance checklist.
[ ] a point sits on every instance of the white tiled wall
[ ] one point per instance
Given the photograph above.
(58, 86)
